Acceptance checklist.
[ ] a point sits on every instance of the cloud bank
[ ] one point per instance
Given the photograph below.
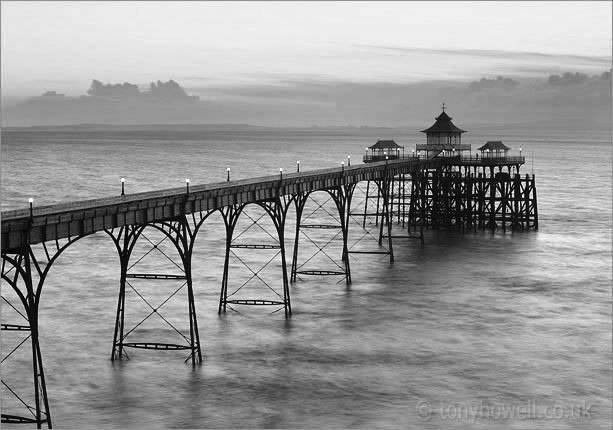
(565, 98)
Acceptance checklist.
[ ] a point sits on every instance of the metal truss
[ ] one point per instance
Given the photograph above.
(341, 197)
(383, 215)
(372, 229)
(25, 271)
(455, 200)
(181, 235)
(416, 216)
(276, 211)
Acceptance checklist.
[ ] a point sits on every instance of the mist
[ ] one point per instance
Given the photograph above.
(565, 98)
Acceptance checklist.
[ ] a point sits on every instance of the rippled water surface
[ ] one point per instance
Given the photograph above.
(477, 320)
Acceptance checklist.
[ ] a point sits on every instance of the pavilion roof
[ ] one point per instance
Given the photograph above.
(443, 124)
(385, 144)
(494, 145)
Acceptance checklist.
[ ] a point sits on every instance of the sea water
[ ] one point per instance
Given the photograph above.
(502, 330)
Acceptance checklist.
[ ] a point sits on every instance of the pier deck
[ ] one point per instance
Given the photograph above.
(89, 216)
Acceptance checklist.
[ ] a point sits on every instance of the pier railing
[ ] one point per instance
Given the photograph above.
(370, 158)
(50, 222)
(455, 160)
(484, 161)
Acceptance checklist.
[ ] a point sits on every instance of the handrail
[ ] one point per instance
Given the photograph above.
(271, 181)
(369, 158)
(487, 160)
(456, 159)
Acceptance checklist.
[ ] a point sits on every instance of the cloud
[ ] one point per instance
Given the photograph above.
(106, 104)
(576, 78)
(304, 102)
(601, 61)
(158, 92)
(500, 83)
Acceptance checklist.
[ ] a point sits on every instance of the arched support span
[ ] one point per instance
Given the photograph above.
(276, 210)
(341, 196)
(25, 271)
(179, 232)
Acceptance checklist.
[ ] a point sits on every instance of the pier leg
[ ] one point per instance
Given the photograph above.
(504, 198)
(124, 242)
(276, 211)
(230, 217)
(516, 220)
(344, 208)
(420, 200)
(25, 275)
(181, 235)
(300, 201)
(535, 212)
(378, 199)
(17, 270)
(384, 185)
(366, 204)
(25, 270)
(492, 214)
(341, 196)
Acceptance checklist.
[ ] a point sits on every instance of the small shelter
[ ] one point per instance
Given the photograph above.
(443, 132)
(443, 138)
(494, 149)
(382, 149)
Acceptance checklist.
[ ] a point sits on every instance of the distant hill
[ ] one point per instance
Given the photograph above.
(567, 101)
(135, 127)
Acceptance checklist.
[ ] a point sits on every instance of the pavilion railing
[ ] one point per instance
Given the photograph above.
(369, 158)
(457, 159)
(486, 161)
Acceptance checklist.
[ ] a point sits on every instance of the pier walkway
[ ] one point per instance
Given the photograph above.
(63, 220)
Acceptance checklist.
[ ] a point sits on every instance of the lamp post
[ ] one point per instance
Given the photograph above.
(520, 151)
(281, 173)
(228, 170)
(342, 167)
(123, 183)
(31, 201)
(298, 166)
(187, 185)
(348, 160)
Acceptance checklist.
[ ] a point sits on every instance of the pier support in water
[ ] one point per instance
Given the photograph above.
(387, 197)
(465, 200)
(181, 235)
(416, 214)
(25, 270)
(339, 216)
(274, 210)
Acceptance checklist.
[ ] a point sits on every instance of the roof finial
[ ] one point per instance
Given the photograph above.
(443, 106)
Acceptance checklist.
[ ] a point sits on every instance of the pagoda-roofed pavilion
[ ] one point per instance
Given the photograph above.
(382, 150)
(494, 149)
(443, 137)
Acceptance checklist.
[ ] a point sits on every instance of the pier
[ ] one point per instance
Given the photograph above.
(436, 187)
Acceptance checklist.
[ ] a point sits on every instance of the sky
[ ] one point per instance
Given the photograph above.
(64, 45)
(304, 62)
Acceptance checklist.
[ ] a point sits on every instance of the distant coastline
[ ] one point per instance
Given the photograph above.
(566, 125)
